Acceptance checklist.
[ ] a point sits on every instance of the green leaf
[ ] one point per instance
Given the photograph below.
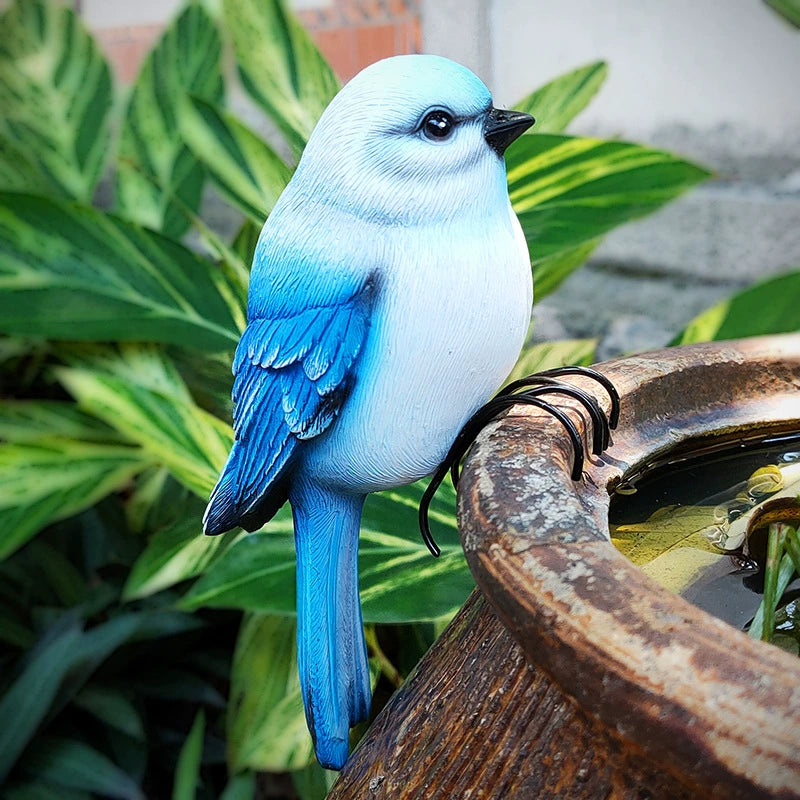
(246, 170)
(280, 66)
(54, 478)
(255, 574)
(142, 365)
(189, 441)
(13, 632)
(240, 787)
(75, 765)
(28, 699)
(32, 420)
(245, 241)
(59, 573)
(550, 271)
(39, 790)
(266, 725)
(788, 9)
(157, 175)
(569, 191)
(55, 92)
(786, 571)
(771, 306)
(70, 272)
(313, 782)
(557, 102)
(18, 173)
(113, 708)
(52, 673)
(549, 355)
(187, 772)
(399, 580)
(175, 554)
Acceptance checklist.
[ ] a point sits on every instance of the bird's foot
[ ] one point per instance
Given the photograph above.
(527, 391)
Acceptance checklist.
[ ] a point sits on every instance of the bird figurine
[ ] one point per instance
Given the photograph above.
(390, 295)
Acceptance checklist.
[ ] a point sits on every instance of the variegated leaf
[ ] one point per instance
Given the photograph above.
(175, 554)
(569, 191)
(70, 272)
(245, 169)
(280, 66)
(400, 581)
(55, 95)
(266, 727)
(549, 355)
(557, 102)
(771, 306)
(157, 175)
(29, 420)
(175, 432)
(53, 478)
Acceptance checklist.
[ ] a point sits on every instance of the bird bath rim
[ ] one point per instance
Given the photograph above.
(701, 699)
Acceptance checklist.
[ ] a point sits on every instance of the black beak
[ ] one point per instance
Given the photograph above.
(502, 127)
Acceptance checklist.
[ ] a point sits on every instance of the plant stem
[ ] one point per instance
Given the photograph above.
(777, 535)
(387, 668)
(792, 547)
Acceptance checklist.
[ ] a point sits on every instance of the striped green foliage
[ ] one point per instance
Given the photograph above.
(38, 438)
(266, 728)
(158, 178)
(549, 355)
(24, 421)
(771, 306)
(36, 488)
(174, 554)
(18, 172)
(557, 102)
(190, 442)
(246, 170)
(245, 241)
(399, 580)
(280, 66)
(55, 95)
(568, 192)
(70, 272)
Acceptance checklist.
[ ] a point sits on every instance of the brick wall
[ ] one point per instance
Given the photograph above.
(354, 33)
(350, 33)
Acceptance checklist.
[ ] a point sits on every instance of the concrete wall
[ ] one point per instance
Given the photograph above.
(704, 63)
(715, 80)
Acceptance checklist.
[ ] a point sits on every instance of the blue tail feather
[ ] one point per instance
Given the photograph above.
(245, 495)
(332, 654)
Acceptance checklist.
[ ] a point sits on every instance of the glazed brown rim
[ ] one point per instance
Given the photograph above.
(702, 699)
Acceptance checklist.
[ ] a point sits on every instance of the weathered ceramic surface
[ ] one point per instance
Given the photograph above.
(654, 696)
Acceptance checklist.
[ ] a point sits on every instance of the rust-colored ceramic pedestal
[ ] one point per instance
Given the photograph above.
(572, 674)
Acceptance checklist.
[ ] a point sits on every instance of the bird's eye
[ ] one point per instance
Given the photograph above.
(437, 125)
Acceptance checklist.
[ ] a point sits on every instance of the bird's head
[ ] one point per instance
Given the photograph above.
(411, 139)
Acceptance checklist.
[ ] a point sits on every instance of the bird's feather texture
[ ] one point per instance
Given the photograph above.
(332, 655)
(292, 375)
(389, 296)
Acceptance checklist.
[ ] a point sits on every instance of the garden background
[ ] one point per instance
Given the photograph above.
(139, 156)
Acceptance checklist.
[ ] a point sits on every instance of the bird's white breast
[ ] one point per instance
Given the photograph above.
(451, 317)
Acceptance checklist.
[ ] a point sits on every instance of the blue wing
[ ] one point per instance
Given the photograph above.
(293, 372)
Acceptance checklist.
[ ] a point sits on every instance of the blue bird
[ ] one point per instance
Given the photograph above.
(390, 295)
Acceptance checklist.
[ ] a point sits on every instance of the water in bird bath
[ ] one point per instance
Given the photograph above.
(686, 524)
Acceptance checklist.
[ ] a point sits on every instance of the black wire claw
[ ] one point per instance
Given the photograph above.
(534, 387)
